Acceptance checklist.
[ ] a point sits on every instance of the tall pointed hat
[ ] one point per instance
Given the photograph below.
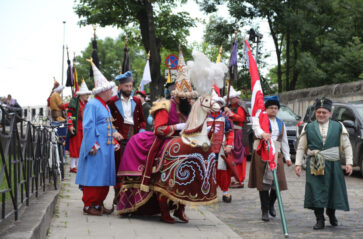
(183, 86)
(83, 90)
(101, 83)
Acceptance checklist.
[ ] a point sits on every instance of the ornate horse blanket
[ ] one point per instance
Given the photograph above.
(187, 175)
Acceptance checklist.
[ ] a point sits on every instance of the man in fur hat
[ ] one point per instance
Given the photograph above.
(96, 168)
(75, 117)
(260, 176)
(324, 141)
(237, 114)
(128, 117)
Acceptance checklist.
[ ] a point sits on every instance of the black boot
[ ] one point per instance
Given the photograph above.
(273, 197)
(332, 219)
(264, 198)
(319, 213)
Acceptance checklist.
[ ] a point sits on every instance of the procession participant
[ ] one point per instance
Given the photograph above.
(75, 117)
(145, 107)
(96, 168)
(222, 142)
(260, 176)
(128, 118)
(138, 160)
(237, 114)
(324, 141)
(56, 104)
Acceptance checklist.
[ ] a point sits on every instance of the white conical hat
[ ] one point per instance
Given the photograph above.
(83, 90)
(183, 86)
(233, 93)
(101, 83)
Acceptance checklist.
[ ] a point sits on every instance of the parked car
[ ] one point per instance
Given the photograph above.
(290, 119)
(351, 115)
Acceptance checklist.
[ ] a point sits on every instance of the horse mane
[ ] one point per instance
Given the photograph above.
(196, 116)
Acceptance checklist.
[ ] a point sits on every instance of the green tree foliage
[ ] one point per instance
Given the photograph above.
(317, 42)
(158, 25)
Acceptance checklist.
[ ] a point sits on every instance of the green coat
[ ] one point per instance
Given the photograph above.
(328, 190)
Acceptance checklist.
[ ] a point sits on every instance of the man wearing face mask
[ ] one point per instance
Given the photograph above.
(324, 141)
(128, 117)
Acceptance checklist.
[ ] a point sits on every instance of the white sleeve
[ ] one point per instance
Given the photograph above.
(285, 145)
(256, 127)
(301, 148)
(346, 146)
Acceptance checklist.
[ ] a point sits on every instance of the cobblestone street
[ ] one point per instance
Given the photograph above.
(243, 215)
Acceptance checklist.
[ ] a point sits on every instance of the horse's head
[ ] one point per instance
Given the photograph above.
(208, 104)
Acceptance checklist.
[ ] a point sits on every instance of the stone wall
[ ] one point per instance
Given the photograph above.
(299, 100)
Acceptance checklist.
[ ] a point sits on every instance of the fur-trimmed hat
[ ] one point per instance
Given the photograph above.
(101, 83)
(83, 90)
(323, 103)
(125, 77)
(272, 100)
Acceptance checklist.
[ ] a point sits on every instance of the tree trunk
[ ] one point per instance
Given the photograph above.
(295, 73)
(278, 54)
(152, 44)
(287, 76)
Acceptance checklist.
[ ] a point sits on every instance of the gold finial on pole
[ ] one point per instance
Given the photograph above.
(220, 50)
(120, 69)
(235, 33)
(126, 38)
(94, 31)
(148, 56)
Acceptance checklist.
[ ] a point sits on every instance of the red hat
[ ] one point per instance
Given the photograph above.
(141, 93)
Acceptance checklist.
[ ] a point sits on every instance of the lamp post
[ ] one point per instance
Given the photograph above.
(256, 38)
(64, 33)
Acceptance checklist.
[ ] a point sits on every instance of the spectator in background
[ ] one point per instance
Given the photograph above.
(56, 104)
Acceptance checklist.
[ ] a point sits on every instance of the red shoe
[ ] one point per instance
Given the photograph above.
(73, 170)
(180, 213)
(92, 211)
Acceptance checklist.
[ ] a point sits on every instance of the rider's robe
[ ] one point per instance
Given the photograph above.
(136, 152)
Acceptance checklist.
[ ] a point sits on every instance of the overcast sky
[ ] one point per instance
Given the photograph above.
(32, 39)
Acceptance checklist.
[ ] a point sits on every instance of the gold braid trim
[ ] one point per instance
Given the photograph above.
(160, 105)
(164, 193)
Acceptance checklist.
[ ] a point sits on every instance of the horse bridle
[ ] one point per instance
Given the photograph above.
(205, 106)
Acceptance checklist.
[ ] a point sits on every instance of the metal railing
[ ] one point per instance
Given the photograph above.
(24, 166)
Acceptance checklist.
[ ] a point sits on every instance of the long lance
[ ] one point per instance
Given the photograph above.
(279, 198)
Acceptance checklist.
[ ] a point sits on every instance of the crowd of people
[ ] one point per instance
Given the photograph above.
(119, 140)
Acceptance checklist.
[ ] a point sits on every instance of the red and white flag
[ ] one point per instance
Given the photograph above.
(265, 149)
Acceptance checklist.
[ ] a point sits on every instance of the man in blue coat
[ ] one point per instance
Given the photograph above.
(96, 169)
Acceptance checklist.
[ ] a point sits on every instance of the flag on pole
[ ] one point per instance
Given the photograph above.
(126, 62)
(146, 77)
(265, 148)
(69, 81)
(219, 55)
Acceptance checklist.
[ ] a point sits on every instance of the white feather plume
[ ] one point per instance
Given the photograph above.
(203, 73)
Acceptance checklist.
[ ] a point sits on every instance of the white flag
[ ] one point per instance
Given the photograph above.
(146, 77)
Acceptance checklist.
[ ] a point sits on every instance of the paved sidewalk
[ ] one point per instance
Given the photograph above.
(69, 221)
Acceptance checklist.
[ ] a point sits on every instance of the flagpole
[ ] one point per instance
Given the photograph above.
(64, 33)
(279, 198)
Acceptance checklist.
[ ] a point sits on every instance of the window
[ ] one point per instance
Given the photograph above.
(344, 113)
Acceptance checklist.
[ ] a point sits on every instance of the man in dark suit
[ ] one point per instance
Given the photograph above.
(128, 117)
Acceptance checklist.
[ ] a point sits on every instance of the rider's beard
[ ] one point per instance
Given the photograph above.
(184, 106)
(126, 93)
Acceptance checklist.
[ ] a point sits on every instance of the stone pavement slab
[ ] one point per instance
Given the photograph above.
(69, 221)
(243, 214)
